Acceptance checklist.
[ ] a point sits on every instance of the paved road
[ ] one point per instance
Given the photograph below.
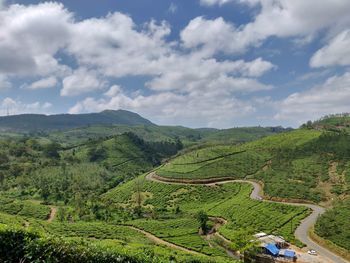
(301, 232)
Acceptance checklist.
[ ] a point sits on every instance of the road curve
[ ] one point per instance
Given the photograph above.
(302, 230)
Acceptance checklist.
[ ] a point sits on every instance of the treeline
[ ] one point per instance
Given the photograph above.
(333, 122)
(156, 150)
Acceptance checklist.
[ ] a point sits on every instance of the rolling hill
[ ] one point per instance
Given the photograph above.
(38, 122)
(308, 164)
(92, 187)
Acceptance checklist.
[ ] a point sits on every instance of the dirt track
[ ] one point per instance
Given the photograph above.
(52, 214)
(160, 241)
(301, 232)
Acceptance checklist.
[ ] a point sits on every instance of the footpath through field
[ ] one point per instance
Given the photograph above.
(301, 233)
(160, 241)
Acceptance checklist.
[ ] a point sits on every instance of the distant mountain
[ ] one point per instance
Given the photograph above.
(40, 122)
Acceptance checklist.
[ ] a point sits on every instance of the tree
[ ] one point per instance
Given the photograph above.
(51, 150)
(202, 219)
(97, 153)
(138, 196)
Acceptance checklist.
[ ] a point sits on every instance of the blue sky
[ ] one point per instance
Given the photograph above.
(197, 63)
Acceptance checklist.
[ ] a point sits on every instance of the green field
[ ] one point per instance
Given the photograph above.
(229, 201)
(300, 165)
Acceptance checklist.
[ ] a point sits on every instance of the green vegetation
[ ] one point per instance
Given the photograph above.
(202, 219)
(84, 193)
(334, 225)
(305, 164)
(47, 172)
(333, 122)
(27, 123)
(24, 208)
(171, 212)
(18, 245)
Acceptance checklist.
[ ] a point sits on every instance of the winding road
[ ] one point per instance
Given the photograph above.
(302, 230)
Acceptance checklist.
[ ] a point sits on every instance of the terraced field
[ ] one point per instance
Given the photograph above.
(173, 209)
(300, 166)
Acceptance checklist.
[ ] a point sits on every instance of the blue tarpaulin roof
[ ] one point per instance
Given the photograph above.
(289, 254)
(272, 249)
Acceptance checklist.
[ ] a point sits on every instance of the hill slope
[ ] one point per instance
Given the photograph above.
(304, 164)
(38, 122)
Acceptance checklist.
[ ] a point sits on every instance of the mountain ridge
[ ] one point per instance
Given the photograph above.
(42, 122)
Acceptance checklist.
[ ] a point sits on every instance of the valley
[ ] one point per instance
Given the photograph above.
(152, 198)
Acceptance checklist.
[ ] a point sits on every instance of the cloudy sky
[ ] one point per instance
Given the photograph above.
(197, 63)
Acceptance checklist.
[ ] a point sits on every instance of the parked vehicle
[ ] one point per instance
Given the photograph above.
(312, 252)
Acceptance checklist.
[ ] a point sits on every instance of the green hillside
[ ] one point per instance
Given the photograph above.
(188, 137)
(42, 169)
(305, 164)
(173, 209)
(335, 122)
(94, 196)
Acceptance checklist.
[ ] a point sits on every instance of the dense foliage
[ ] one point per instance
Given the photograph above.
(74, 176)
(18, 245)
(334, 225)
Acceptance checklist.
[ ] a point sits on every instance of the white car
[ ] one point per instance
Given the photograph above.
(312, 252)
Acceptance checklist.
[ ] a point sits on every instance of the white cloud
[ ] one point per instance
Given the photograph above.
(222, 2)
(211, 36)
(299, 19)
(172, 8)
(12, 106)
(113, 91)
(82, 81)
(114, 45)
(331, 97)
(2, 4)
(214, 2)
(337, 52)
(31, 36)
(44, 83)
(213, 108)
(4, 83)
(207, 74)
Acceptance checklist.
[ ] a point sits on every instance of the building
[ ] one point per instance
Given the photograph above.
(265, 239)
(275, 247)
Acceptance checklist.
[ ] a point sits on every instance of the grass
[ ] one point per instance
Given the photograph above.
(274, 160)
(24, 208)
(230, 163)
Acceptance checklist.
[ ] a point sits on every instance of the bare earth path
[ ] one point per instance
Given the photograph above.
(160, 241)
(301, 232)
(52, 214)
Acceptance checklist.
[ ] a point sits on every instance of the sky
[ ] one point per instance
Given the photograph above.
(196, 63)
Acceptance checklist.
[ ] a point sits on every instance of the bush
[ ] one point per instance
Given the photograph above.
(19, 245)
